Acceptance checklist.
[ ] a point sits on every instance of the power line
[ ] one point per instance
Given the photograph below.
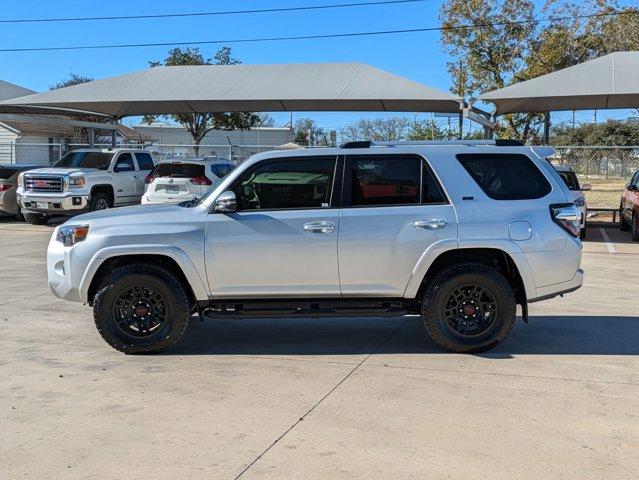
(210, 14)
(308, 37)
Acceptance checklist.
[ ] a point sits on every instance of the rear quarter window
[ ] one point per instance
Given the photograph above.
(504, 176)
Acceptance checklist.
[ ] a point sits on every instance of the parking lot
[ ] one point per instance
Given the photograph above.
(298, 398)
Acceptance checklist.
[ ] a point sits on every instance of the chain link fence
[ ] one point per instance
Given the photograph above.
(46, 154)
(606, 169)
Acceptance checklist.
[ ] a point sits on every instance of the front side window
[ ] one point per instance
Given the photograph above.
(99, 160)
(392, 180)
(124, 163)
(286, 184)
(506, 176)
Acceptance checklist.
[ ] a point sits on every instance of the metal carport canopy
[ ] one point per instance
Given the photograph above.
(10, 90)
(250, 88)
(607, 82)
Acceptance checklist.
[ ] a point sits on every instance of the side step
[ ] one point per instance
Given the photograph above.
(306, 308)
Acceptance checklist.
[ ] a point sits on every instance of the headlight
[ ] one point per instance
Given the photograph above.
(580, 202)
(76, 182)
(21, 180)
(69, 235)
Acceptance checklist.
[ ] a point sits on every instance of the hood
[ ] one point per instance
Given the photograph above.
(134, 215)
(60, 171)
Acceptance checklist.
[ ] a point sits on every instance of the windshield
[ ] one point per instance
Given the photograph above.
(97, 160)
(571, 180)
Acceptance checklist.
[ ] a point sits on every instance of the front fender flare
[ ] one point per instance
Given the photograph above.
(178, 255)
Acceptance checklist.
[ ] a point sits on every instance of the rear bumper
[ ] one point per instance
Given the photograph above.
(551, 291)
(54, 204)
(153, 199)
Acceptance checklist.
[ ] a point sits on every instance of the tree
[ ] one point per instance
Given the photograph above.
(495, 43)
(306, 132)
(378, 129)
(610, 133)
(74, 79)
(199, 124)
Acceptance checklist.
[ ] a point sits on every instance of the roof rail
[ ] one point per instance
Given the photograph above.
(469, 143)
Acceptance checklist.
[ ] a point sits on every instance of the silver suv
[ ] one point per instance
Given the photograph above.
(457, 232)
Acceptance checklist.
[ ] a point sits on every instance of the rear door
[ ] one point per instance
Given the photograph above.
(145, 165)
(393, 209)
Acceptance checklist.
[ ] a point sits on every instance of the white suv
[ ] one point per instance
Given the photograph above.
(176, 181)
(458, 232)
(84, 180)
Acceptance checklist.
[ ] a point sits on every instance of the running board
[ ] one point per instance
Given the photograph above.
(306, 308)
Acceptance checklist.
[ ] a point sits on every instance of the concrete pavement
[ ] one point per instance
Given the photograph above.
(329, 398)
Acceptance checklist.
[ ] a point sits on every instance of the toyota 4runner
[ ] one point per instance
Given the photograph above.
(84, 181)
(457, 232)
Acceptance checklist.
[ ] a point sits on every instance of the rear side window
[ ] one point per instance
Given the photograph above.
(570, 179)
(178, 170)
(392, 180)
(504, 176)
(145, 161)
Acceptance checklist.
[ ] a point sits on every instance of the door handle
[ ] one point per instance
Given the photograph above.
(319, 227)
(135, 176)
(431, 223)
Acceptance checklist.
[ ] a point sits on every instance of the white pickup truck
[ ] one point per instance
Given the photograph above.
(83, 181)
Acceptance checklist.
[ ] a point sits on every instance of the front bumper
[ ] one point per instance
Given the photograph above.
(71, 203)
(65, 270)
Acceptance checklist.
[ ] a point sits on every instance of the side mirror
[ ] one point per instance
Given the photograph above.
(226, 202)
(586, 186)
(631, 188)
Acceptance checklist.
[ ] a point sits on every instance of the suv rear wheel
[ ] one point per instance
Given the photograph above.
(36, 218)
(469, 308)
(141, 309)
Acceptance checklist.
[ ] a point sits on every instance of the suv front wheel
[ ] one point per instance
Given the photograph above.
(141, 309)
(469, 308)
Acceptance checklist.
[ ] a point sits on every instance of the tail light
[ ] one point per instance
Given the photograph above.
(149, 178)
(566, 216)
(5, 186)
(201, 180)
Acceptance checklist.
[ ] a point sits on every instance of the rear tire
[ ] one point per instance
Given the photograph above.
(141, 309)
(582, 233)
(468, 308)
(623, 226)
(100, 201)
(36, 218)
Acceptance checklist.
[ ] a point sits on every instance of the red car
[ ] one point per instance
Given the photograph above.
(629, 207)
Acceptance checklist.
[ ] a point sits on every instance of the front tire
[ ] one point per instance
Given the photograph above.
(469, 308)
(623, 226)
(36, 218)
(100, 201)
(634, 229)
(141, 309)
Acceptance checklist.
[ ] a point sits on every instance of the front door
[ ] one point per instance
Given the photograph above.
(126, 180)
(394, 209)
(282, 241)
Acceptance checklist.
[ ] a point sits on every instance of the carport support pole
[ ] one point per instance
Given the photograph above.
(112, 138)
(91, 137)
(546, 128)
(461, 126)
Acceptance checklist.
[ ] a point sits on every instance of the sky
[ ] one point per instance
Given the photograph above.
(418, 56)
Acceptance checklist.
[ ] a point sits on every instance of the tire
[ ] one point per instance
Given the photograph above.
(582, 233)
(634, 229)
(100, 201)
(36, 218)
(111, 304)
(437, 301)
(623, 226)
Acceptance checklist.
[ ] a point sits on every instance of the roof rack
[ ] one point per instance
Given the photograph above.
(469, 143)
